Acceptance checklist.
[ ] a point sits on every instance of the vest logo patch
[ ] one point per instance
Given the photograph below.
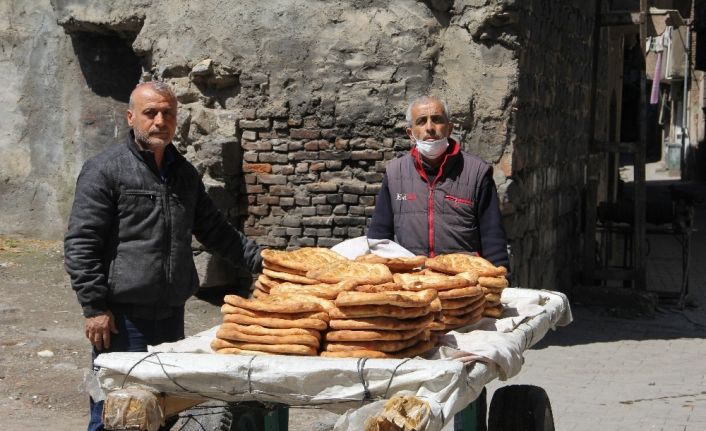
(406, 197)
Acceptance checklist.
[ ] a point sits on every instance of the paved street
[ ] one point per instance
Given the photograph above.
(604, 372)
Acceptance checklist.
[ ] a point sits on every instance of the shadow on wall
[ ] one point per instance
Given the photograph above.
(108, 63)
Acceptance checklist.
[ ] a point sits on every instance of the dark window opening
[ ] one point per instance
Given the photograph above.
(108, 63)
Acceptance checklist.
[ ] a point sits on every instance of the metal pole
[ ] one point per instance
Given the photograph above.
(685, 105)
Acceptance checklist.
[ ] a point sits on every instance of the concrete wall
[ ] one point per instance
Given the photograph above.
(290, 109)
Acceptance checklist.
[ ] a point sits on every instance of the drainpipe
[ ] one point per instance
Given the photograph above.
(685, 103)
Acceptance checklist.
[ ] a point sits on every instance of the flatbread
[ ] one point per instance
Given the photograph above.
(371, 335)
(232, 309)
(277, 303)
(274, 267)
(267, 281)
(361, 273)
(462, 292)
(273, 322)
(478, 304)
(395, 264)
(397, 298)
(261, 330)
(495, 290)
(259, 294)
(371, 288)
(321, 290)
(419, 281)
(260, 286)
(379, 345)
(497, 282)
(447, 304)
(303, 259)
(410, 352)
(465, 319)
(285, 276)
(386, 323)
(235, 335)
(495, 312)
(227, 346)
(455, 263)
(492, 298)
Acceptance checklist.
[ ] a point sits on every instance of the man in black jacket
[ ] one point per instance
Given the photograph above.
(128, 246)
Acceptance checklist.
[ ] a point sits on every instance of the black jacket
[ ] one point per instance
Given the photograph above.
(129, 236)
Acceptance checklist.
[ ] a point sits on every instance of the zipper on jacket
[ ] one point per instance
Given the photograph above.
(150, 194)
(457, 200)
(168, 227)
(430, 204)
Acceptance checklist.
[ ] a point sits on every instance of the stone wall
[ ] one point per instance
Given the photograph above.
(290, 109)
(543, 203)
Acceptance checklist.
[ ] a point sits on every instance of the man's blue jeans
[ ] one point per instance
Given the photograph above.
(134, 334)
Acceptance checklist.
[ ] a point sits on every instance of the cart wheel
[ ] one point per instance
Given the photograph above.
(520, 408)
(220, 416)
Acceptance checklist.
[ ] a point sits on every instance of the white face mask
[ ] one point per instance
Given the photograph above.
(432, 149)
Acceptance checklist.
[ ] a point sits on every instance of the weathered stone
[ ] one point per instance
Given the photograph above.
(327, 242)
(340, 209)
(292, 221)
(255, 124)
(273, 158)
(334, 155)
(367, 200)
(283, 170)
(271, 179)
(353, 188)
(346, 221)
(350, 198)
(323, 209)
(249, 135)
(264, 168)
(305, 242)
(278, 190)
(304, 134)
(318, 200)
(317, 221)
(322, 187)
(286, 202)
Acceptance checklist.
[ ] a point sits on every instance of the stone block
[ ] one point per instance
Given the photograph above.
(302, 200)
(292, 221)
(334, 165)
(304, 133)
(271, 241)
(280, 147)
(301, 168)
(318, 200)
(261, 210)
(254, 231)
(328, 242)
(250, 157)
(278, 231)
(249, 135)
(263, 168)
(286, 202)
(334, 155)
(323, 232)
(257, 146)
(334, 199)
(317, 166)
(354, 232)
(254, 188)
(310, 231)
(279, 190)
(367, 200)
(366, 155)
(353, 188)
(255, 124)
(267, 200)
(322, 187)
(340, 209)
(336, 176)
(294, 231)
(356, 210)
(349, 221)
(304, 155)
(324, 209)
(350, 198)
(372, 189)
(294, 122)
(339, 231)
(341, 144)
(273, 158)
(317, 221)
(283, 169)
(305, 242)
(308, 211)
(271, 179)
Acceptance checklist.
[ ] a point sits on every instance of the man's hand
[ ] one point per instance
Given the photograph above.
(98, 329)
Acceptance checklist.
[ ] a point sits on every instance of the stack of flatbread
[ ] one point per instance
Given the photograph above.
(462, 300)
(394, 264)
(291, 267)
(285, 324)
(490, 278)
(381, 321)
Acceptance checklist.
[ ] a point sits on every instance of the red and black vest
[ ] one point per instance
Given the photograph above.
(436, 215)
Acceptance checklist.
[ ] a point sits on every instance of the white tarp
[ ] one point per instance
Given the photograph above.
(449, 381)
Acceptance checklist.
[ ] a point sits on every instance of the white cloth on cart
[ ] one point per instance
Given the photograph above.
(493, 349)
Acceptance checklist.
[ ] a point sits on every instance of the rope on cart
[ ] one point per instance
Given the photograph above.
(389, 382)
(252, 358)
(366, 392)
(122, 385)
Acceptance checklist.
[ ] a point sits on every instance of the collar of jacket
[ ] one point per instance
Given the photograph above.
(450, 157)
(147, 157)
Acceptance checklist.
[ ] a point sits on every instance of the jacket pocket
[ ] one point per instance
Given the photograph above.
(456, 201)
